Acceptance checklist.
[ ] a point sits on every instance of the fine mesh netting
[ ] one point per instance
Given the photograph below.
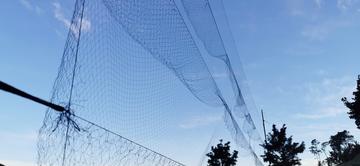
(200, 14)
(131, 73)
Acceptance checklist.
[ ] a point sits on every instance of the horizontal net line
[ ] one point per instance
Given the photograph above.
(122, 137)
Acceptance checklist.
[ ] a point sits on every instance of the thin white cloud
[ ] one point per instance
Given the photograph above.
(61, 35)
(325, 98)
(296, 12)
(344, 5)
(324, 113)
(319, 3)
(325, 127)
(196, 122)
(315, 32)
(32, 7)
(296, 7)
(322, 131)
(321, 72)
(321, 30)
(26, 4)
(38, 10)
(59, 15)
(330, 89)
(304, 49)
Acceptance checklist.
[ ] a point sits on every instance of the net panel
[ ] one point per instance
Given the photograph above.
(202, 19)
(128, 67)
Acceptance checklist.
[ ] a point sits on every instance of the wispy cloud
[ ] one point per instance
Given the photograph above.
(296, 7)
(321, 30)
(324, 127)
(319, 3)
(26, 4)
(322, 131)
(200, 121)
(59, 15)
(321, 72)
(32, 7)
(315, 32)
(297, 12)
(344, 5)
(324, 98)
(323, 113)
(304, 49)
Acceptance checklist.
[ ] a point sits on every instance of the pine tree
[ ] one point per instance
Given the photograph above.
(343, 148)
(281, 150)
(354, 106)
(221, 156)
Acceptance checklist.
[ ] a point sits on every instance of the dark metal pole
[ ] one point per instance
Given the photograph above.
(8, 88)
(358, 82)
(263, 122)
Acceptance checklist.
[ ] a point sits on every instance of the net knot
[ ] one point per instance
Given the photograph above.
(67, 118)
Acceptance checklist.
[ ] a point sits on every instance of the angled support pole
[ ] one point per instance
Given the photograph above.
(263, 123)
(8, 88)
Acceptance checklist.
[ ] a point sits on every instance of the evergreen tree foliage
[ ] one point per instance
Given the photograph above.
(280, 150)
(354, 106)
(343, 148)
(221, 156)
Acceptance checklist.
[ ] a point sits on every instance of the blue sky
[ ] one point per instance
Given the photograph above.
(300, 58)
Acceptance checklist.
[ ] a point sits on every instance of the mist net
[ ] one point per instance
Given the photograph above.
(201, 16)
(130, 75)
